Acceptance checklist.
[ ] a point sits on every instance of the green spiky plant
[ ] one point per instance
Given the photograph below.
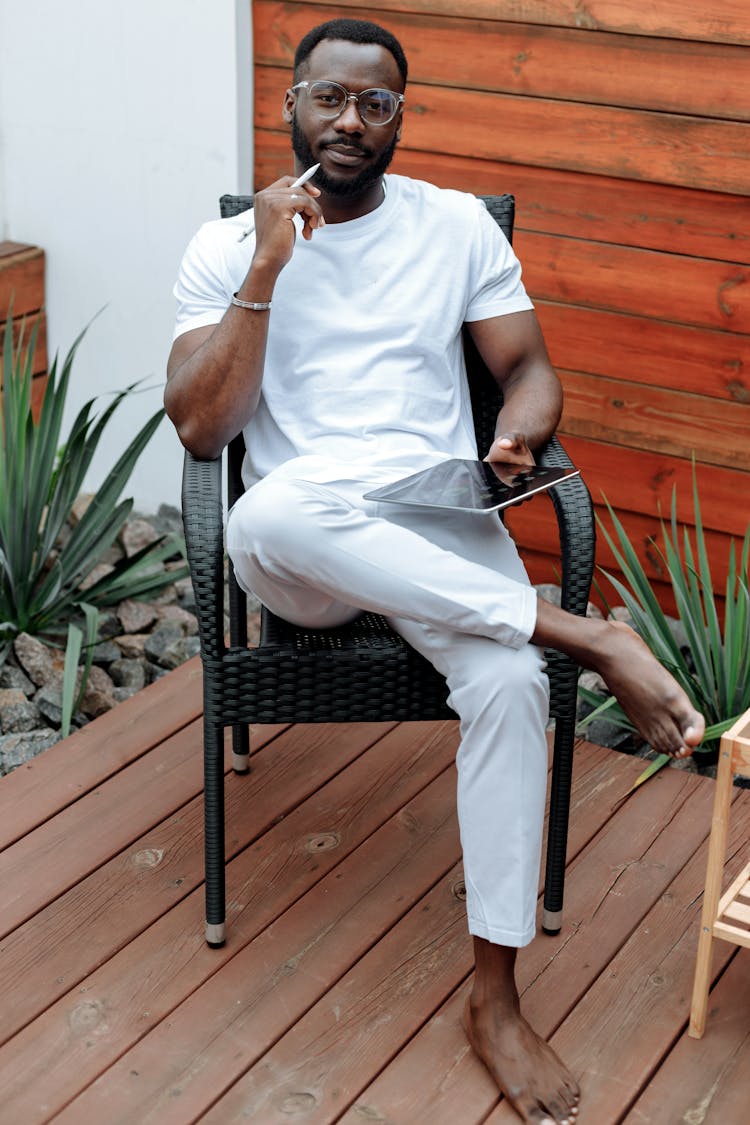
(715, 669)
(43, 574)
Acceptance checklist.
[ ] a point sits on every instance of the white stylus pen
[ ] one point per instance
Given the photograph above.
(308, 175)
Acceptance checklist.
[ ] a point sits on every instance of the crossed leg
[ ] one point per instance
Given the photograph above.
(311, 555)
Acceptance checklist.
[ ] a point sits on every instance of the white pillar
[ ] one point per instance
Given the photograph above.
(120, 126)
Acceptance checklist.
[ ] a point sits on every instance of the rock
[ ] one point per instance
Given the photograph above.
(99, 694)
(180, 651)
(10, 696)
(168, 520)
(48, 701)
(131, 645)
(109, 625)
(17, 713)
(123, 693)
(604, 733)
(185, 593)
(678, 631)
(137, 534)
(101, 570)
(188, 621)
(35, 659)
(11, 676)
(15, 749)
(689, 765)
(593, 682)
(162, 637)
(166, 595)
(79, 507)
(129, 674)
(620, 613)
(134, 616)
(113, 555)
(105, 652)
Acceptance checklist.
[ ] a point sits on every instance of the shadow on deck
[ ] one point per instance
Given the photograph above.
(338, 994)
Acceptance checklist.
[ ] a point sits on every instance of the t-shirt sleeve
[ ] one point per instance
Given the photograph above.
(202, 289)
(496, 288)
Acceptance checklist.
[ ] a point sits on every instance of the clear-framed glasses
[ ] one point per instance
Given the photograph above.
(328, 99)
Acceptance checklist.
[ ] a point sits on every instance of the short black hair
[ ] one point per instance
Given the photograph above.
(354, 31)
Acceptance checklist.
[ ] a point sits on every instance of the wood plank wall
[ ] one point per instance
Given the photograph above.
(623, 131)
(22, 288)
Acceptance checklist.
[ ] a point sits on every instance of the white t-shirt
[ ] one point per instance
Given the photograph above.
(364, 375)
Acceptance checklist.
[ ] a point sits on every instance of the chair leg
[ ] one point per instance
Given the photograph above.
(557, 832)
(241, 748)
(717, 850)
(213, 804)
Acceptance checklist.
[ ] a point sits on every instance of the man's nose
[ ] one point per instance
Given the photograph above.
(349, 120)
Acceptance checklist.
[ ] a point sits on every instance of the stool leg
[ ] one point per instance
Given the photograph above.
(717, 850)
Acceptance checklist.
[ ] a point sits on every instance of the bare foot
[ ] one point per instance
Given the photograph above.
(650, 697)
(531, 1076)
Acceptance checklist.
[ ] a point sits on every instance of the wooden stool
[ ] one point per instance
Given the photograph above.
(724, 916)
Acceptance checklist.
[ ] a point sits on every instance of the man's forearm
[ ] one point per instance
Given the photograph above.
(532, 405)
(214, 379)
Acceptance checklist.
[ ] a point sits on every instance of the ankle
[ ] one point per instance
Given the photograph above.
(494, 987)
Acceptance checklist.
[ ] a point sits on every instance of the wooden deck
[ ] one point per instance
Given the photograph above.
(337, 996)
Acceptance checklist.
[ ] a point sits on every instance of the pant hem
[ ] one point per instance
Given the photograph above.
(512, 938)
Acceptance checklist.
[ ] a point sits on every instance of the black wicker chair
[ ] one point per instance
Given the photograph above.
(363, 672)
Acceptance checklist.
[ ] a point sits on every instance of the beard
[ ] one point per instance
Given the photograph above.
(343, 188)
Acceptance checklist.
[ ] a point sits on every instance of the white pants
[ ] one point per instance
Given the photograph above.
(453, 586)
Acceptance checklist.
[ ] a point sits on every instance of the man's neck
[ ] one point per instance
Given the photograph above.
(342, 210)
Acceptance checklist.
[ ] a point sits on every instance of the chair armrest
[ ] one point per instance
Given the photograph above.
(202, 516)
(575, 518)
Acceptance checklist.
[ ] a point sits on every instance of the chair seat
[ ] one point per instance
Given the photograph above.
(362, 672)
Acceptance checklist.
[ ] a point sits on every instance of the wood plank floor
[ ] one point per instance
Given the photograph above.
(338, 994)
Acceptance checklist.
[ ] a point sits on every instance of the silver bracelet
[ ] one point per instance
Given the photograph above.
(259, 306)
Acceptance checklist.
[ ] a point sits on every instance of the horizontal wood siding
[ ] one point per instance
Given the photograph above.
(624, 133)
(22, 292)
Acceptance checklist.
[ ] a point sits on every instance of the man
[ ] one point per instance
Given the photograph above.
(355, 377)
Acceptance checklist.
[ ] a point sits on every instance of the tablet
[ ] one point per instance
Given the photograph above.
(471, 486)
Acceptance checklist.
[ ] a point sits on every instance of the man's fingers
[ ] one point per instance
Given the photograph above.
(305, 204)
(511, 448)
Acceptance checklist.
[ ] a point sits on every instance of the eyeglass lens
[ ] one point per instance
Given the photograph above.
(376, 107)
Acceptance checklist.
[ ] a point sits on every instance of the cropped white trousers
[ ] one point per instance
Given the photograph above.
(453, 586)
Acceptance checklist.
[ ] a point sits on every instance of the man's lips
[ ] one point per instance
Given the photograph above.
(345, 154)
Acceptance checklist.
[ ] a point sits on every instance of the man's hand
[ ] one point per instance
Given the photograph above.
(512, 449)
(275, 208)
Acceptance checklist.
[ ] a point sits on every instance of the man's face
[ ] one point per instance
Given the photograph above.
(352, 154)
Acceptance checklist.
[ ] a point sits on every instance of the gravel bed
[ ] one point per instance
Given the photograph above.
(138, 642)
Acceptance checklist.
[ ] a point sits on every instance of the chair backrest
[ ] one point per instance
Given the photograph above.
(486, 396)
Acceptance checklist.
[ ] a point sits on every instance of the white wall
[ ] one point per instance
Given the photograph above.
(120, 126)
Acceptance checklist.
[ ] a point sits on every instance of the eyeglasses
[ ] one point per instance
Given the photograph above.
(329, 100)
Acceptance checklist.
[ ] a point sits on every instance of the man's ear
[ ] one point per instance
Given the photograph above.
(287, 109)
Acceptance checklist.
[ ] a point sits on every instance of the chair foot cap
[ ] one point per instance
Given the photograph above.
(240, 763)
(215, 934)
(552, 921)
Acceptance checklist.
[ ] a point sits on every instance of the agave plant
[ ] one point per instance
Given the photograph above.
(714, 667)
(43, 572)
